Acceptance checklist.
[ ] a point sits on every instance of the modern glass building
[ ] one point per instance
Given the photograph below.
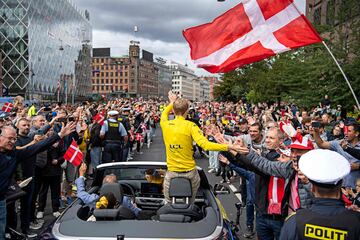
(46, 49)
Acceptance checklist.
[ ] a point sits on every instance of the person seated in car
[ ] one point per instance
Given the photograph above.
(92, 199)
(155, 176)
(106, 201)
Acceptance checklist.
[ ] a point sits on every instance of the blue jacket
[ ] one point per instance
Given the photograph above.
(91, 199)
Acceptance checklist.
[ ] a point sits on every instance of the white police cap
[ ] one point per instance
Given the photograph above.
(113, 113)
(324, 166)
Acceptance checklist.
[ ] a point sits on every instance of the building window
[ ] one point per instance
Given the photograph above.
(126, 81)
(317, 16)
(330, 12)
(126, 74)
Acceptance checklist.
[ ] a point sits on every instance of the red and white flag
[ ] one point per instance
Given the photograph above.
(251, 31)
(7, 107)
(99, 118)
(73, 154)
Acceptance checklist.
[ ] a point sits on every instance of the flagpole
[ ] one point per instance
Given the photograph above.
(343, 73)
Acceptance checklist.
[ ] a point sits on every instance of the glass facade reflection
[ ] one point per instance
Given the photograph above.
(46, 46)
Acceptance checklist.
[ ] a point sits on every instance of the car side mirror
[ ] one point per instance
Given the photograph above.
(220, 189)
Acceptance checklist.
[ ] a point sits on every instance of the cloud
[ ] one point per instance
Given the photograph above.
(160, 24)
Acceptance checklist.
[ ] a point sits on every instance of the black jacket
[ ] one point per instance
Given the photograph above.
(261, 181)
(27, 166)
(95, 139)
(54, 153)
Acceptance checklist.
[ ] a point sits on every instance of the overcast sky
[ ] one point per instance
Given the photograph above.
(160, 24)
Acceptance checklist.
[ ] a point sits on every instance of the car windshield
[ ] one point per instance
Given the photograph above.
(132, 173)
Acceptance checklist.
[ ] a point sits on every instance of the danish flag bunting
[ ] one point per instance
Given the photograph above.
(251, 31)
(7, 107)
(73, 154)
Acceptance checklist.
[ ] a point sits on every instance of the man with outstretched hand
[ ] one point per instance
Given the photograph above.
(10, 157)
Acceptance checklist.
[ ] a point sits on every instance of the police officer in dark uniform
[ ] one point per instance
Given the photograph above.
(327, 218)
(115, 136)
(124, 119)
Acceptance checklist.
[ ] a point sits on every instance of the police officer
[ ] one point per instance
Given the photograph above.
(115, 136)
(327, 217)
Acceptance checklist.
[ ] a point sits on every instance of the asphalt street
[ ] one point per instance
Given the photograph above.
(156, 152)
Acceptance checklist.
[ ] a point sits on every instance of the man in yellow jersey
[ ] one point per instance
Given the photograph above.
(179, 135)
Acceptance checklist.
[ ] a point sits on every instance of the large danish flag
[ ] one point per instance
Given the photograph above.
(251, 31)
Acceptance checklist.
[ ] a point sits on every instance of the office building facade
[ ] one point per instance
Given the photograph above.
(183, 80)
(164, 77)
(46, 47)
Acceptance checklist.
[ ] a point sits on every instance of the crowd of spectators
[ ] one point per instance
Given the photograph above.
(275, 136)
(47, 168)
(273, 132)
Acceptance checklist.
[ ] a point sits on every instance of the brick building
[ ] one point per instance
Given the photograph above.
(126, 75)
(109, 74)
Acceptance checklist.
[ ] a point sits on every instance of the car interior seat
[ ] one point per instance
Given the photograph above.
(118, 213)
(180, 209)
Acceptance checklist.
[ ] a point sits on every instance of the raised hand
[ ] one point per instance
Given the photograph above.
(172, 96)
(223, 159)
(239, 149)
(82, 169)
(219, 138)
(66, 130)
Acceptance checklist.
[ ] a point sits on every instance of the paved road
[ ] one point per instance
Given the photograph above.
(156, 152)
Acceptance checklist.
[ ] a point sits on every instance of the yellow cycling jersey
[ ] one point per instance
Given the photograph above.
(179, 135)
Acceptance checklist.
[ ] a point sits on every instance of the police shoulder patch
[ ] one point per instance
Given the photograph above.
(290, 215)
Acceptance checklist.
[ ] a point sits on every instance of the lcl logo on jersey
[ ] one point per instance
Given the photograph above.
(175, 146)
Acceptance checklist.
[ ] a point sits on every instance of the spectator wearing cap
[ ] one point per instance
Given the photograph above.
(327, 217)
(352, 139)
(115, 137)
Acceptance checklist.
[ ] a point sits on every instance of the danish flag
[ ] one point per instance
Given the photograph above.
(251, 31)
(7, 107)
(73, 154)
(99, 118)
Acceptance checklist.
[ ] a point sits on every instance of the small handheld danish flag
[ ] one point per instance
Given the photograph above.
(7, 107)
(99, 118)
(73, 154)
